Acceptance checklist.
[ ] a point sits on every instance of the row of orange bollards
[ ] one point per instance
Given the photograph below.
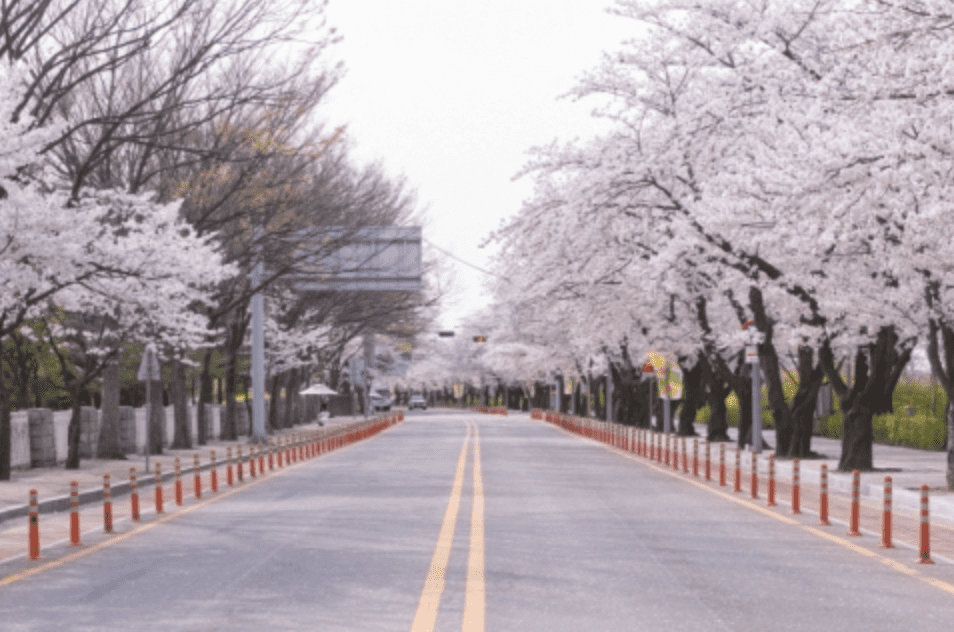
(299, 448)
(664, 449)
(490, 410)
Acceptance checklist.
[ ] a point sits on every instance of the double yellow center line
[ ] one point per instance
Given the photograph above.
(473, 619)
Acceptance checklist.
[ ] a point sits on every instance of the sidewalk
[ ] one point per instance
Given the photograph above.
(53, 483)
(908, 468)
(53, 487)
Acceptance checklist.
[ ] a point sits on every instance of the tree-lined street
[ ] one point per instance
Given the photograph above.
(576, 537)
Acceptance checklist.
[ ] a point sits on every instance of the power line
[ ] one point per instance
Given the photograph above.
(466, 263)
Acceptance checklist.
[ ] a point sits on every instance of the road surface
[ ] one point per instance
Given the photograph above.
(548, 532)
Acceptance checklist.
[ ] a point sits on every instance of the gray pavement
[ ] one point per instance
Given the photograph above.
(578, 536)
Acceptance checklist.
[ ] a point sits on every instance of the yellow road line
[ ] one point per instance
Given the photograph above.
(886, 561)
(434, 583)
(474, 608)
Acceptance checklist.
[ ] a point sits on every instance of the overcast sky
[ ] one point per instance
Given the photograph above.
(453, 94)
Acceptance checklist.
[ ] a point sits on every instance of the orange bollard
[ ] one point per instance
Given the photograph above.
(133, 494)
(738, 470)
(279, 453)
(261, 459)
(925, 545)
(886, 516)
(107, 505)
(251, 461)
(796, 487)
(158, 489)
(685, 455)
(238, 463)
(771, 481)
(652, 445)
(197, 476)
(301, 447)
(213, 474)
(755, 475)
(74, 514)
(34, 535)
(666, 455)
(855, 516)
(823, 496)
(178, 481)
(228, 468)
(271, 454)
(721, 465)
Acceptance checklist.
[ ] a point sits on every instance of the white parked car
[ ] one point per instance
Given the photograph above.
(417, 401)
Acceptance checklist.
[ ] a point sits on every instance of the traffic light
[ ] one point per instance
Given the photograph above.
(480, 339)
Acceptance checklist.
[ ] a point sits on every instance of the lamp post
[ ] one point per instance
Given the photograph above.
(752, 357)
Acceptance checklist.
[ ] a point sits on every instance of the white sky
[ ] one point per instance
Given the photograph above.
(453, 94)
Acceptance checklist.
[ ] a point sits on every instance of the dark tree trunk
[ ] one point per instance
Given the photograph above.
(182, 434)
(109, 446)
(205, 397)
(157, 418)
(717, 429)
(693, 392)
(874, 376)
(274, 423)
(292, 399)
(742, 386)
(73, 434)
(5, 430)
(231, 378)
(942, 366)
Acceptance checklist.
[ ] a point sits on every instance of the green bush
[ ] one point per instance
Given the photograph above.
(924, 429)
(732, 411)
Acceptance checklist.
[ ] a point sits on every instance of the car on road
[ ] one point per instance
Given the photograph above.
(417, 401)
(381, 400)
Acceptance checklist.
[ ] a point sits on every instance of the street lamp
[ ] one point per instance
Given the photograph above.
(752, 357)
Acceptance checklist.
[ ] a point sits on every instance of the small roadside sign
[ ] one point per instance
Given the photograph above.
(149, 367)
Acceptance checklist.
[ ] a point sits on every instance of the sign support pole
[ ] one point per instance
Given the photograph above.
(667, 415)
(258, 358)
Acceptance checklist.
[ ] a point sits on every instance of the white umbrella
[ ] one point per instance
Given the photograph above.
(317, 389)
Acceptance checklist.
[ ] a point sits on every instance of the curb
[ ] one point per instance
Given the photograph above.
(93, 495)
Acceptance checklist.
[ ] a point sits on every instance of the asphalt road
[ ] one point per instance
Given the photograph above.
(562, 534)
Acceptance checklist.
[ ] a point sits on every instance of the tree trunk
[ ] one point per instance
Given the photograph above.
(292, 409)
(157, 418)
(73, 433)
(205, 397)
(942, 368)
(950, 444)
(857, 440)
(866, 398)
(743, 390)
(5, 430)
(110, 432)
(273, 420)
(231, 379)
(794, 433)
(692, 394)
(182, 434)
(717, 429)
